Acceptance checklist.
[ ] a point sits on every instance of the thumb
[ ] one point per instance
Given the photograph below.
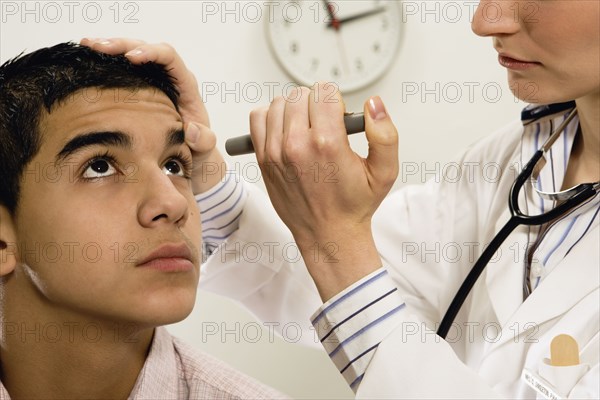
(382, 136)
(200, 138)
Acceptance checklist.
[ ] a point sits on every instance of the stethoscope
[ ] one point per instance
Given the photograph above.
(567, 200)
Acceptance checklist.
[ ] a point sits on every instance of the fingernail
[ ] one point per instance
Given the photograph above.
(377, 109)
(103, 42)
(134, 52)
(192, 132)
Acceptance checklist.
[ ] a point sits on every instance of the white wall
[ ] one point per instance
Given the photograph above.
(438, 48)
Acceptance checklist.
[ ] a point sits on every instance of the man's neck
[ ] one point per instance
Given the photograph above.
(58, 354)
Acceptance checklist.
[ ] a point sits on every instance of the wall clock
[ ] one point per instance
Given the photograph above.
(351, 43)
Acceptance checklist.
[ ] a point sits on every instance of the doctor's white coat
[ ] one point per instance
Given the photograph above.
(429, 236)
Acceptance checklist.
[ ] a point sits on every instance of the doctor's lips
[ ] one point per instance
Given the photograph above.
(169, 258)
(512, 63)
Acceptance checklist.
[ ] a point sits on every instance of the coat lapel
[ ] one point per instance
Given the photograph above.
(573, 278)
(504, 276)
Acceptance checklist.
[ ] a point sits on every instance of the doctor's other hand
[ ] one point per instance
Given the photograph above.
(209, 167)
(322, 190)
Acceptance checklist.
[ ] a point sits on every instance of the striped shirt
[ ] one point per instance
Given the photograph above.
(351, 325)
(551, 243)
(221, 208)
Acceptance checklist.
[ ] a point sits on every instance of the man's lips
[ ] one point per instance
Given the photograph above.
(510, 62)
(170, 257)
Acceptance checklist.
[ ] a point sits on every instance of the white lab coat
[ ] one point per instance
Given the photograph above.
(496, 335)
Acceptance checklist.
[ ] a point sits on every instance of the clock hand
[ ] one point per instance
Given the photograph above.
(334, 23)
(356, 17)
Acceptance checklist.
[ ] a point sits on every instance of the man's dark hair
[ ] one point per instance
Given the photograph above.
(46, 77)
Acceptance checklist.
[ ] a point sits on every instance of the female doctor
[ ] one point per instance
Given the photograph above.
(384, 295)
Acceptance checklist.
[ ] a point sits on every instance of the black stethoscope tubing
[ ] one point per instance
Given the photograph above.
(585, 192)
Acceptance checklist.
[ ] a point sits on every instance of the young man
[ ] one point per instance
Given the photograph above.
(99, 234)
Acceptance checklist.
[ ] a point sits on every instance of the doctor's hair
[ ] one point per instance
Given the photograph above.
(41, 80)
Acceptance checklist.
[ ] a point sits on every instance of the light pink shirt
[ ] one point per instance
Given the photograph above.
(174, 370)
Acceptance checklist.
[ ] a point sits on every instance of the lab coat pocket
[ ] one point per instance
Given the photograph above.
(563, 378)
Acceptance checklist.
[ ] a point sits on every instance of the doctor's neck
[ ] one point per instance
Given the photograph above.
(589, 113)
(584, 164)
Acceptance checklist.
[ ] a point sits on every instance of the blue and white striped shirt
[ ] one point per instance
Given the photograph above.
(221, 208)
(552, 243)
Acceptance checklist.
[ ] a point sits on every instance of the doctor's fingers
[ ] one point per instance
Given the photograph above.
(296, 124)
(200, 139)
(382, 160)
(190, 103)
(274, 131)
(258, 132)
(326, 113)
(112, 46)
(138, 52)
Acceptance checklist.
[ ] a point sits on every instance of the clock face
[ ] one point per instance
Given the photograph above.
(349, 43)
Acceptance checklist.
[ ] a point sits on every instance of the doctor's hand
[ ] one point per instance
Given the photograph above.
(209, 167)
(323, 191)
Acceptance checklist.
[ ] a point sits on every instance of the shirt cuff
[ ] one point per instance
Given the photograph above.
(351, 325)
(220, 210)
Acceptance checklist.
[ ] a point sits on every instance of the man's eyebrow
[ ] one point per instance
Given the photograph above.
(175, 137)
(79, 142)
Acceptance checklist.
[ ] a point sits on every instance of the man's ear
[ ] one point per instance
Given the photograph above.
(8, 242)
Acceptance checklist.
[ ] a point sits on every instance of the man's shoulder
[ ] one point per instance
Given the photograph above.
(208, 377)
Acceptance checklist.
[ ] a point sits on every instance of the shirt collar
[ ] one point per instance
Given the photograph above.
(158, 378)
(539, 123)
(534, 112)
(3, 393)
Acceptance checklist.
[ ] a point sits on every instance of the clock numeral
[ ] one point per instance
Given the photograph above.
(376, 47)
(359, 64)
(335, 71)
(294, 47)
(384, 24)
(314, 65)
(318, 8)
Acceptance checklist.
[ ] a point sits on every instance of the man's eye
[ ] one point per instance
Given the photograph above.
(99, 168)
(173, 167)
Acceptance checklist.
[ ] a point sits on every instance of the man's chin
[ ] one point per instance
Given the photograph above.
(168, 311)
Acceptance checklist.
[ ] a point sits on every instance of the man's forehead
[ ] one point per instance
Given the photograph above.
(92, 99)
(120, 109)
